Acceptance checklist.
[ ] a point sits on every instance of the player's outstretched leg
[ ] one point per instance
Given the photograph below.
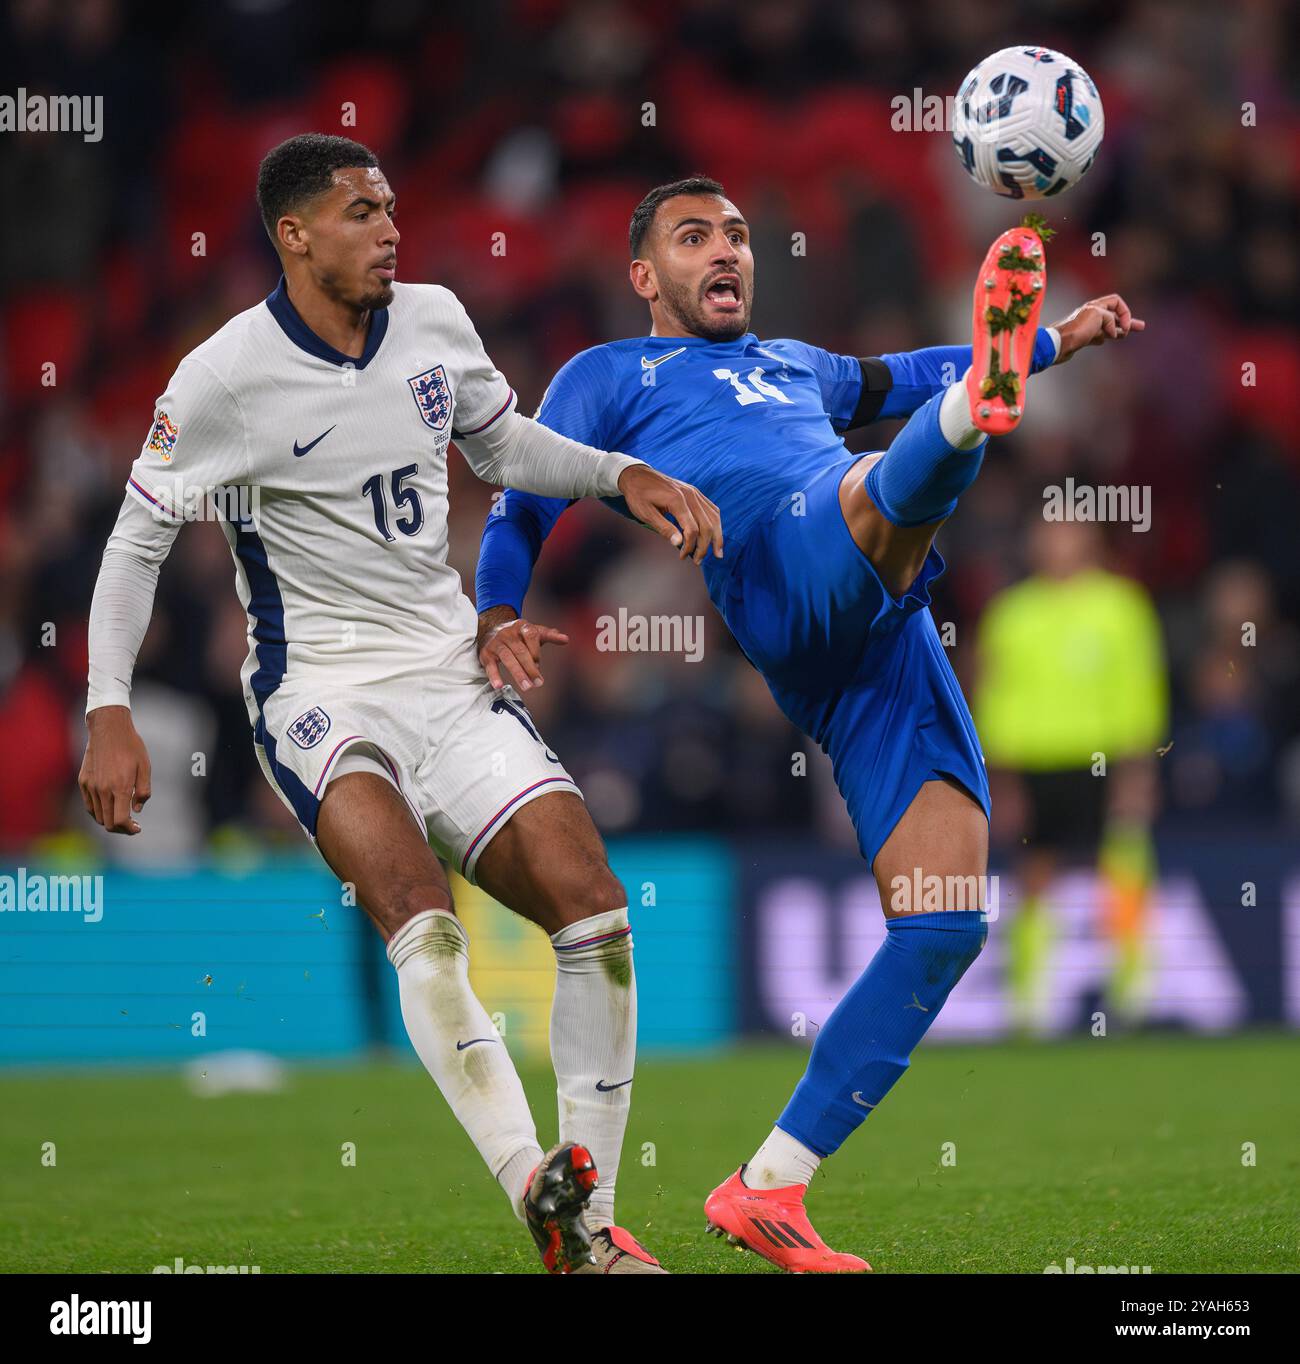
(1009, 296)
(368, 837)
(928, 465)
(548, 864)
(893, 503)
(554, 1206)
(894, 510)
(773, 1223)
(863, 1048)
(907, 493)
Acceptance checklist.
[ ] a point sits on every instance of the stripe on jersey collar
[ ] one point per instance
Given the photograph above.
(736, 343)
(304, 338)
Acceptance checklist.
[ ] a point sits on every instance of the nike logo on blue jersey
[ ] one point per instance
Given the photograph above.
(604, 1088)
(460, 1046)
(858, 1099)
(301, 450)
(650, 364)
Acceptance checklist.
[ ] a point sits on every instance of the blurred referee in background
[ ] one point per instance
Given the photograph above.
(1071, 705)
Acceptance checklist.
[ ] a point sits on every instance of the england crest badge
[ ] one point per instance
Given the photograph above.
(433, 397)
(310, 728)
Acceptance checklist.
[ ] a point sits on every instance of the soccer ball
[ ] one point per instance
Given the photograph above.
(1027, 123)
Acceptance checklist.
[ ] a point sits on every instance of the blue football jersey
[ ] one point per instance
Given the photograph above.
(748, 422)
(754, 425)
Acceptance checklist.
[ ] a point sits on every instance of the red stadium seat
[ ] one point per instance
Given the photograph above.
(43, 327)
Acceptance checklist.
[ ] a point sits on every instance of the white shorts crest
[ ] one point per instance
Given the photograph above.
(310, 728)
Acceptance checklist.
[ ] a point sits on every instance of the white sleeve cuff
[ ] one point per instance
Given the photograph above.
(612, 469)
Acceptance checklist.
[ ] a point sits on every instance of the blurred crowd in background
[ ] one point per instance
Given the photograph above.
(546, 121)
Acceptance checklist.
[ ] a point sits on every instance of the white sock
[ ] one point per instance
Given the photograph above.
(442, 1015)
(954, 418)
(593, 1043)
(780, 1162)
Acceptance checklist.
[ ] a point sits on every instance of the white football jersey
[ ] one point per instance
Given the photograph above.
(341, 553)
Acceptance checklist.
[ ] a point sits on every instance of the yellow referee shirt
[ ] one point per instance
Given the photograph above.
(1070, 667)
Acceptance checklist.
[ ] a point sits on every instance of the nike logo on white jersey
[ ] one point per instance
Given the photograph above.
(650, 364)
(301, 450)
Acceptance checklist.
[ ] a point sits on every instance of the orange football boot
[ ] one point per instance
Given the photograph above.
(773, 1224)
(1008, 298)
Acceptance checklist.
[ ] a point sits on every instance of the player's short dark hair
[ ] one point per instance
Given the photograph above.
(302, 168)
(644, 215)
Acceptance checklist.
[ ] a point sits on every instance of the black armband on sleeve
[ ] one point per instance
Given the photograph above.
(876, 382)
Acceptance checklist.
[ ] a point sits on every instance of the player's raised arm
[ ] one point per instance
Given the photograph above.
(857, 391)
(577, 403)
(899, 384)
(1107, 318)
(517, 452)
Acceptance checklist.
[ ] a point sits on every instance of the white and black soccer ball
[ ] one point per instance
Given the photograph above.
(1027, 123)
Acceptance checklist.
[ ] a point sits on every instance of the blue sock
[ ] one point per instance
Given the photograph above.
(863, 1047)
(922, 476)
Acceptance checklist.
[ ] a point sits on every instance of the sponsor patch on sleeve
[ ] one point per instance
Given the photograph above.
(162, 439)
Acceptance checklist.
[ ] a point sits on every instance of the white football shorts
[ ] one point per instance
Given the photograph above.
(464, 756)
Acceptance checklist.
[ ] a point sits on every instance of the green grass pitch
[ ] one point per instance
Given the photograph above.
(1120, 1151)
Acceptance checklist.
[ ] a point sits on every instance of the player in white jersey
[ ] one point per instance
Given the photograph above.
(329, 409)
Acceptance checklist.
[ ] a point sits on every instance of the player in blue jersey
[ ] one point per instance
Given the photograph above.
(825, 585)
